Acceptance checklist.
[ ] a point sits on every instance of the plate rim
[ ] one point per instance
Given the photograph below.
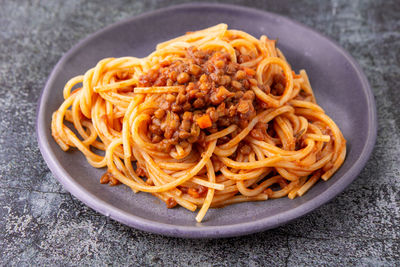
(206, 231)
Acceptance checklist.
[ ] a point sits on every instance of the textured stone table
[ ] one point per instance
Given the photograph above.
(41, 223)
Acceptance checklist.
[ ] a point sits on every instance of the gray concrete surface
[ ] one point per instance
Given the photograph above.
(42, 224)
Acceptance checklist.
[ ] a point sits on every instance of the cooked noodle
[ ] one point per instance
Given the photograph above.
(210, 118)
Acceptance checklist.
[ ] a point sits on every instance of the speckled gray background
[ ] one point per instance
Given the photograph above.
(42, 224)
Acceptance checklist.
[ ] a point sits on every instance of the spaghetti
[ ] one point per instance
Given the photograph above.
(210, 118)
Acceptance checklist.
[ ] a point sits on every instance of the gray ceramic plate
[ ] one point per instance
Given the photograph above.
(339, 84)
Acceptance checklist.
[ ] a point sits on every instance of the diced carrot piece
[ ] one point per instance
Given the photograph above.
(204, 121)
(250, 72)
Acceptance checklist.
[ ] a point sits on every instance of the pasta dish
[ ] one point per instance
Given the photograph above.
(210, 118)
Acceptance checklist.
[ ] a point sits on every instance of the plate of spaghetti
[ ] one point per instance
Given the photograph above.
(194, 121)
